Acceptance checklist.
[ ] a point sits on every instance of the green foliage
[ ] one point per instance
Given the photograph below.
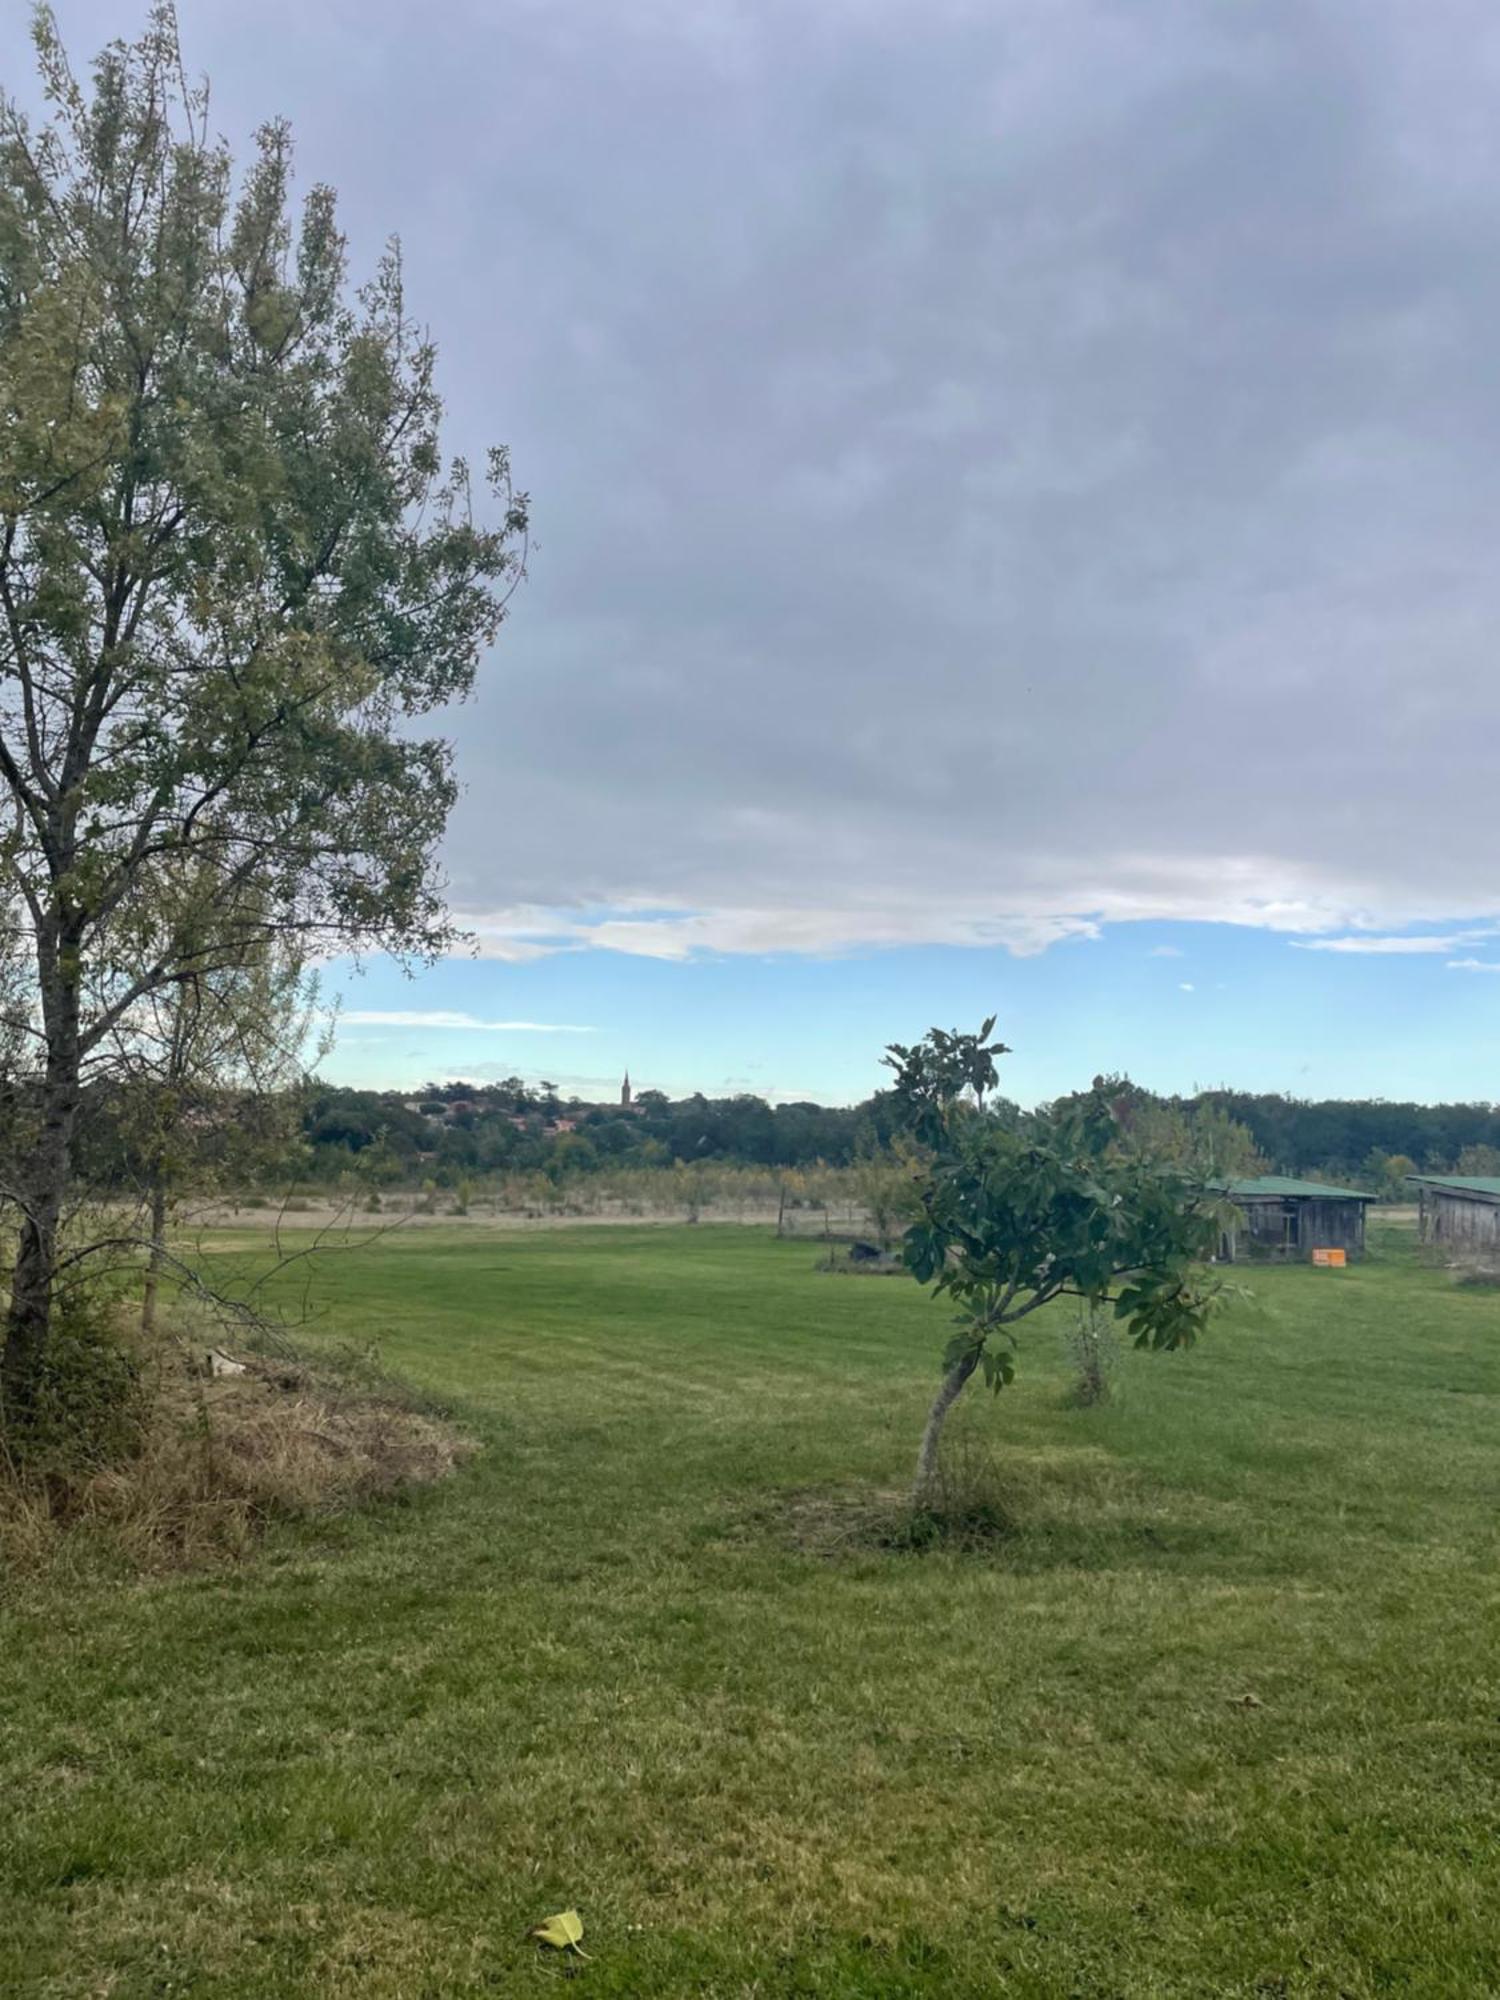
(92, 1403)
(1200, 1140)
(1333, 1138)
(691, 1186)
(508, 1129)
(885, 1181)
(235, 575)
(207, 436)
(939, 1077)
(1060, 1208)
(1386, 1174)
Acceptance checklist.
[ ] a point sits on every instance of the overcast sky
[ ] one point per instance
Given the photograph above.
(999, 471)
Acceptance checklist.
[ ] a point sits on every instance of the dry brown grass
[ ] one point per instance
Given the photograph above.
(221, 1459)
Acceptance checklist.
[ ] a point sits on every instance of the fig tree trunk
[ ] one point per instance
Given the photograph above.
(937, 1416)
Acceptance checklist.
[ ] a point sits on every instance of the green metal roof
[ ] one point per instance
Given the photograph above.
(1284, 1187)
(1480, 1184)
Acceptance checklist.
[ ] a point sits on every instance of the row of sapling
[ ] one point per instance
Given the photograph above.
(1012, 1215)
(235, 573)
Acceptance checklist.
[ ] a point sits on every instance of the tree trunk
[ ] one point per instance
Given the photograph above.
(947, 1396)
(158, 1252)
(44, 1183)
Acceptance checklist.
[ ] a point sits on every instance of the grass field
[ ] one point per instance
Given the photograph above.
(1221, 1716)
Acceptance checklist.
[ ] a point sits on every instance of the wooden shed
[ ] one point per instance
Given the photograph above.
(1287, 1220)
(1459, 1211)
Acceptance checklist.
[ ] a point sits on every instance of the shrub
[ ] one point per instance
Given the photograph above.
(93, 1398)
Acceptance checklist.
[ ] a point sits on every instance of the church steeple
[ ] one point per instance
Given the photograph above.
(625, 1092)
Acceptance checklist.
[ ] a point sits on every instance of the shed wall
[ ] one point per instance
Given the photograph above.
(1460, 1220)
(1289, 1229)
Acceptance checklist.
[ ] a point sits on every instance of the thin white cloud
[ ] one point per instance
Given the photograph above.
(1186, 986)
(1166, 951)
(1473, 965)
(444, 1018)
(1391, 947)
(1234, 889)
(516, 951)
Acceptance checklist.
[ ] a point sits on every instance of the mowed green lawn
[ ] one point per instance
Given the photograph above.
(1221, 1716)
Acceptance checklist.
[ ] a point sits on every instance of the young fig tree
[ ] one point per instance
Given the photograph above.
(1011, 1219)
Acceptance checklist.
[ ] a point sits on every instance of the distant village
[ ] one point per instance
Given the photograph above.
(522, 1108)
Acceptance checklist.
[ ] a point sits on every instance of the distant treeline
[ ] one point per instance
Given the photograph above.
(508, 1127)
(1349, 1138)
(465, 1129)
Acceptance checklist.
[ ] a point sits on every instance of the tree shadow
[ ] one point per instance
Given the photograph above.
(1028, 1513)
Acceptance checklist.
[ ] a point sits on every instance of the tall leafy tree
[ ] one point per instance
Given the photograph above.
(235, 572)
(1015, 1216)
(1199, 1139)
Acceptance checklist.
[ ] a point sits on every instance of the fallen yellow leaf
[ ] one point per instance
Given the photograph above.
(563, 1932)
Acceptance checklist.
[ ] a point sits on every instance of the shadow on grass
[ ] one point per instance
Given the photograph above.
(1074, 1509)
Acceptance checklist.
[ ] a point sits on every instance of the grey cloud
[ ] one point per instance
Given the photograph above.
(996, 470)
